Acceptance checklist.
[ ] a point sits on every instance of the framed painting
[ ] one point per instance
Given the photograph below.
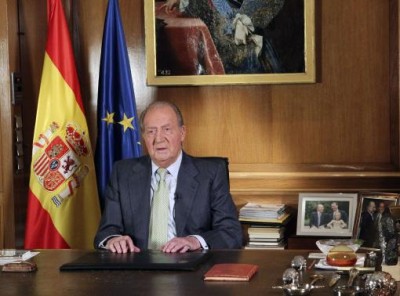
(326, 214)
(216, 42)
(371, 205)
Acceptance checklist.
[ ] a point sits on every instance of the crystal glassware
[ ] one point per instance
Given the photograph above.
(341, 255)
(299, 263)
(290, 276)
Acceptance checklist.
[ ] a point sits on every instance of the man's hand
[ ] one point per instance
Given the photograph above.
(181, 245)
(121, 244)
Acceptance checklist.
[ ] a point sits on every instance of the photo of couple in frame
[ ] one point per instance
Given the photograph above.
(373, 209)
(326, 214)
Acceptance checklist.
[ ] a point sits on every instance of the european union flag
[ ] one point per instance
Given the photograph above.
(118, 134)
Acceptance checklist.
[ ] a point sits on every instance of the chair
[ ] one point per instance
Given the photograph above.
(225, 159)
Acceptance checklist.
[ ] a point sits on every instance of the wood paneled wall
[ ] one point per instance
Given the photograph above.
(8, 57)
(338, 134)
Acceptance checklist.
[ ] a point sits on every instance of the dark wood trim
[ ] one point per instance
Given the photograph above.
(264, 184)
(394, 80)
(350, 168)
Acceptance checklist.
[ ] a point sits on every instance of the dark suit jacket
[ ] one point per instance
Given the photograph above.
(203, 206)
(367, 230)
(314, 219)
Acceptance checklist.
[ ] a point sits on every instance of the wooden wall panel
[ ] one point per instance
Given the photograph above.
(351, 99)
(33, 28)
(394, 80)
(343, 119)
(2, 228)
(3, 81)
(7, 62)
(229, 121)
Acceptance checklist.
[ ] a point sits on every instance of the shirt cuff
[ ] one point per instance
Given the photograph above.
(103, 243)
(201, 241)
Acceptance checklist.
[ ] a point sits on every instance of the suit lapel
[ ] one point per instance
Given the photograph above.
(139, 194)
(185, 193)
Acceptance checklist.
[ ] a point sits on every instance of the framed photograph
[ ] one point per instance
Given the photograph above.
(371, 205)
(199, 42)
(326, 214)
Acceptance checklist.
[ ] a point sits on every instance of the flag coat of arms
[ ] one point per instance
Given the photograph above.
(63, 206)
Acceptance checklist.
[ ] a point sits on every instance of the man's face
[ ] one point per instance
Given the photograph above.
(371, 207)
(163, 135)
(381, 207)
(334, 207)
(320, 208)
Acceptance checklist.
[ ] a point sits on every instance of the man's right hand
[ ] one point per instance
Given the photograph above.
(121, 244)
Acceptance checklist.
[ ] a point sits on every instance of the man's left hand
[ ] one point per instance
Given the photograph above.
(181, 245)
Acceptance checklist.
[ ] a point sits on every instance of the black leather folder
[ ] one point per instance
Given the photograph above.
(145, 260)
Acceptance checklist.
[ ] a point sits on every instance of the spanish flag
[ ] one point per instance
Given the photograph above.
(63, 206)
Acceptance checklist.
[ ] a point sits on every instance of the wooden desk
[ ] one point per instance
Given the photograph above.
(48, 280)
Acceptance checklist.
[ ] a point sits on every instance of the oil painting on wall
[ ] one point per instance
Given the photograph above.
(201, 42)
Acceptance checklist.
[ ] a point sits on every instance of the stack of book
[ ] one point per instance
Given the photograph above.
(267, 213)
(266, 237)
(267, 225)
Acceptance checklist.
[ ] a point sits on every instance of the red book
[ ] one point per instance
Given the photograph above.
(231, 272)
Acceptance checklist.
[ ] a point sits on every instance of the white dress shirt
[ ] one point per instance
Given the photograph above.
(171, 179)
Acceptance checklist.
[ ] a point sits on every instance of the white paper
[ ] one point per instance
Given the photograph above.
(316, 255)
(29, 256)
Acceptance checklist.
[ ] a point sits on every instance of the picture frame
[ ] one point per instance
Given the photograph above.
(366, 211)
(342, 206)
(184, 52)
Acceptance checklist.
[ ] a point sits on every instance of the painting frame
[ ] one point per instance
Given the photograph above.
(307, 76)
(308, 203)
(388, 198)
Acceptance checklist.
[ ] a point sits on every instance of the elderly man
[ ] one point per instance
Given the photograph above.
(168, 200)
(367, 229)
(318, 217)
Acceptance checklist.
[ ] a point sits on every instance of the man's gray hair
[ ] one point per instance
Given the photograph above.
(161, 104)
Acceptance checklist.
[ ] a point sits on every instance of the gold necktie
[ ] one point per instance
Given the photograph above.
(159, 213)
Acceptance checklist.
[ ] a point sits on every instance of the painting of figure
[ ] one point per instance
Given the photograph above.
(229, 37)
